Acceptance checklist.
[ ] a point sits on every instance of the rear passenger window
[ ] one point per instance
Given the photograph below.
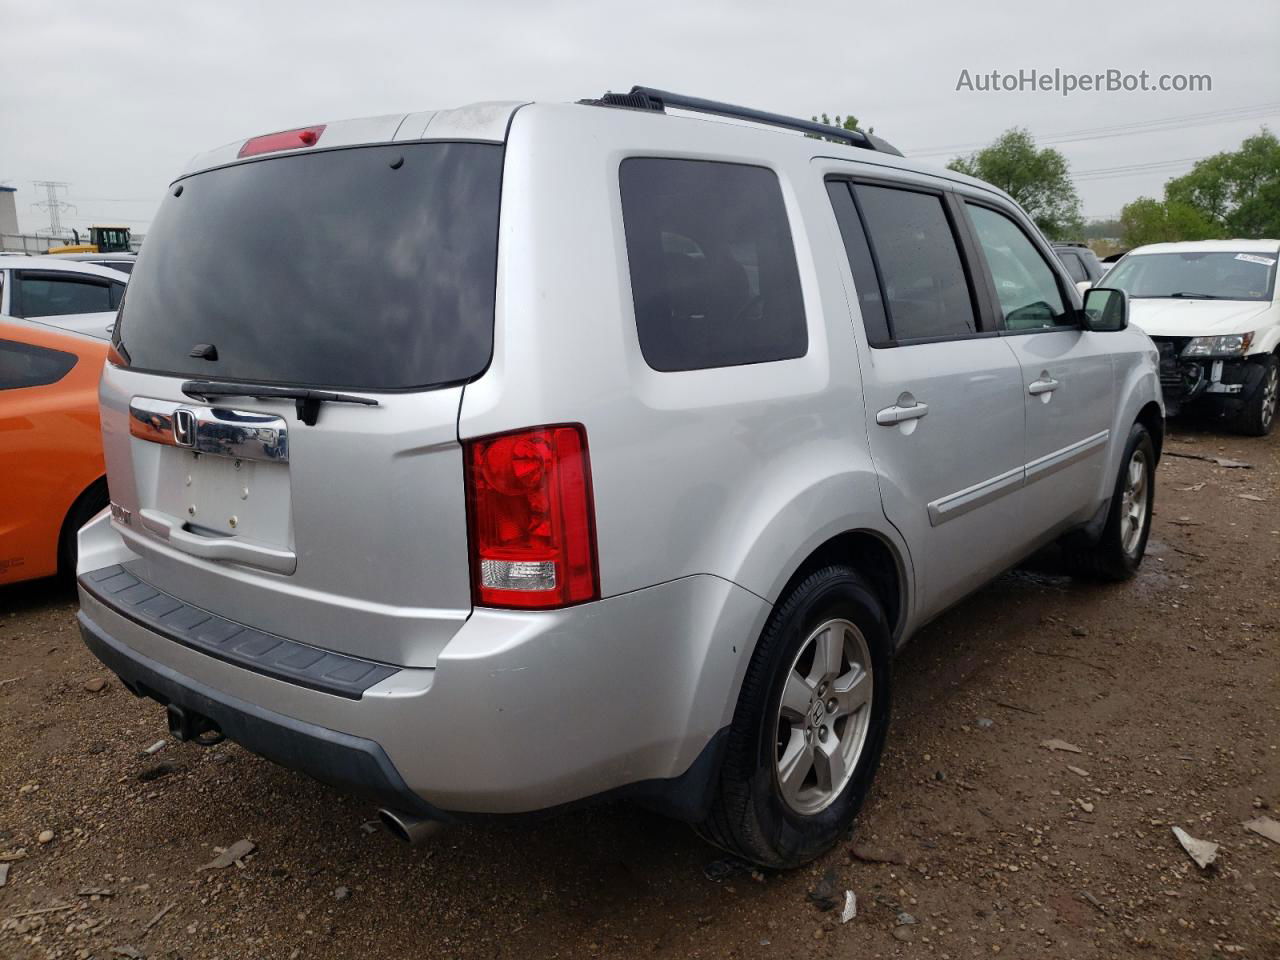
(24, 365)
(1074, 267)
(922, 275)
(42, 296)
(713, 269)
(1025, 284)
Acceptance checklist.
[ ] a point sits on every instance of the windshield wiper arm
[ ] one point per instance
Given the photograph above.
(1196, 296)
(308, 401)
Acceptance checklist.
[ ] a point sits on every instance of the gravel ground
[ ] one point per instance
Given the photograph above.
(977, 840)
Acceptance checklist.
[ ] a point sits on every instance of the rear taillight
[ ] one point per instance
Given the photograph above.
(531, 519)
(284, 140)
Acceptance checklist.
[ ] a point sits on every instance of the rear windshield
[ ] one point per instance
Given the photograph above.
(369, 268)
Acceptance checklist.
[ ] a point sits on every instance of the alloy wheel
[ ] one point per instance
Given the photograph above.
(1133, 504)
(823, 717)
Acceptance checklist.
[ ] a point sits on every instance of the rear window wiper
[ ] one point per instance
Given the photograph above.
(1196, 296)
(308, 401)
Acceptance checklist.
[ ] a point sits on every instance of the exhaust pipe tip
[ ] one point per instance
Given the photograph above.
(411, 829)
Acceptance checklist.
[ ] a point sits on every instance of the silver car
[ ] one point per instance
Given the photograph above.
(489, 460)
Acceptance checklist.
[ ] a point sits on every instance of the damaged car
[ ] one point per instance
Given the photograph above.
(1211, 308)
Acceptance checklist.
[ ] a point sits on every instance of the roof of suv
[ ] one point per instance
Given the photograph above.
(1209, 246)
(491, 121)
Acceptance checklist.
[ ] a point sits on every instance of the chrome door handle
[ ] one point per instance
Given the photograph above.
(1044, 385)
(899, 414)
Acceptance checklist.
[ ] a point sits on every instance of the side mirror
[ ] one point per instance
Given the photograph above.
(1083, 286)
(1106, 309)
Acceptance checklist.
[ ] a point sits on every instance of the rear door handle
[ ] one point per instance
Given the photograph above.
(900, 414)
(1043, 385)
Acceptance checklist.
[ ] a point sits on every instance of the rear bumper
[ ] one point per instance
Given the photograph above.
(523, 711)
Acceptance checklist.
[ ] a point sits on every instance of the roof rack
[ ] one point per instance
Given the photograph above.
(648, 98)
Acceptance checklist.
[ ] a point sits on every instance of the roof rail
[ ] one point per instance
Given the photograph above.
(648, 98)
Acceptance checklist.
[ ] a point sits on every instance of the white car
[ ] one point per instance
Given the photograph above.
(80, 297)
(1211, 307)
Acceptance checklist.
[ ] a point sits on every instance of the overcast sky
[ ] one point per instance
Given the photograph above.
(114, 97)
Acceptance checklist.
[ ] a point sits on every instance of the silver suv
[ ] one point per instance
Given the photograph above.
(489, 460)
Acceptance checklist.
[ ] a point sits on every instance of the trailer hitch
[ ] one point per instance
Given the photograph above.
(188, 726)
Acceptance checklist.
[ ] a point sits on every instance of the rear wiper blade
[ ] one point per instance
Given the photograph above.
(1196, 296)
(308, 401)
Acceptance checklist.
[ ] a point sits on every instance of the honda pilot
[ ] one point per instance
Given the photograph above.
(490, 460)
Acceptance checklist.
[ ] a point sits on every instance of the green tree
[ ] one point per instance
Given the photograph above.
(1146, 220)
(1038, 179)
(849, 122)
(1237, 190)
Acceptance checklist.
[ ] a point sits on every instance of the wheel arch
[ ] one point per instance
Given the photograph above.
(1152, 417)
(95, 492)
(871, 554)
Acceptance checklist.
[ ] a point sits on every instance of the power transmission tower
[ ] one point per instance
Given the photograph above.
(52, 205)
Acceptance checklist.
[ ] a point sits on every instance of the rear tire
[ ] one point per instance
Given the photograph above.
(1258, 415)
(816, 692)
(1117, 554)
(88, 505)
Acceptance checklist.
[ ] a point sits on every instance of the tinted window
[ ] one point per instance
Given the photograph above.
(1025, 284)
(870, 301)
(1074, 267)
(920, 267)
(44, 295)
(117, 291)
(22, 365)
(368, 268)
(713, 269)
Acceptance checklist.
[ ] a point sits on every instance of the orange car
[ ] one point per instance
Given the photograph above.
(52, 478)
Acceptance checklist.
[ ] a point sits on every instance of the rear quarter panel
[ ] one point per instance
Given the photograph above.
(737, 472)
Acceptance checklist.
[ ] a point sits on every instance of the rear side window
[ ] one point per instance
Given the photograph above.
(43, 295)
(922, 274)
(713, 268)
(365, 268)
(1074, 267)
(24, 365)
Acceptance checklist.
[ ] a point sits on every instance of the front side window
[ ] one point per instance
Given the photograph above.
(24, 365)
(924, 282)
(1196, 276)
(713, 268)
(1025, 283)
(47, 296)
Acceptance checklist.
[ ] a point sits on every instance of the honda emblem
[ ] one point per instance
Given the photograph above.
(184, 427)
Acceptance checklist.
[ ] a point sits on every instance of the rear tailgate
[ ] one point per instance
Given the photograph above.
(365, 271)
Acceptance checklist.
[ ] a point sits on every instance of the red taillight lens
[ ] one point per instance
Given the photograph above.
(532, 522)
(284, 140)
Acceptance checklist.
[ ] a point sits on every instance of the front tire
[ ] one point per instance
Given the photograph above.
(1118, 553)
(809, 727)
(1258, 415)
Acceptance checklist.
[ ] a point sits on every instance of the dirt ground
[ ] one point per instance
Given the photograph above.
(1169, 686)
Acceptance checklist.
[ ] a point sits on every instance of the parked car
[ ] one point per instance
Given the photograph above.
(488, 460)
(123, 262)
(53, 291)
(53, 479)
(1082, 264)
(1212, 309)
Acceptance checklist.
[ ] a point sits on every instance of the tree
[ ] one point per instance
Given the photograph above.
(1238, 191)
(850, 122)
(1163, 221)
(1038, 179)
